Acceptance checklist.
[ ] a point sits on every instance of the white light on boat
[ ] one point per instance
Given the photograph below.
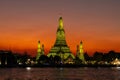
(118, 68)
(28, 68)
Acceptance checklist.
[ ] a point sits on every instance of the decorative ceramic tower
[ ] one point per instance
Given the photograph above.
(81, 52)
(38, 51)
(60, 47)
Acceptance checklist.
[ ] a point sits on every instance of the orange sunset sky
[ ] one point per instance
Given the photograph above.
(95, 22)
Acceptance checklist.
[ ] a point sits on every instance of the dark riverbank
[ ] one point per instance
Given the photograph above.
(60, 65)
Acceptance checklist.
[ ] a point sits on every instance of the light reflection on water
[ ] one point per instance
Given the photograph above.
(82, 73)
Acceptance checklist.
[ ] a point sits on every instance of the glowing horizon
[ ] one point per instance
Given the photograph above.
(95, 23)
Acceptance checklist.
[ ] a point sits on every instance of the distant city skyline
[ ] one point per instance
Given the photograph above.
(96, 23)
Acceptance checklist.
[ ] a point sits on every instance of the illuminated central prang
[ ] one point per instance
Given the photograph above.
(60, 47)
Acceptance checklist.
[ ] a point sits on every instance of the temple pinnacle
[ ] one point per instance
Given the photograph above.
(81, 52)
(60, 23)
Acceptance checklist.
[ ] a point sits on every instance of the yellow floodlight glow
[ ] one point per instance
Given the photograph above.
(61, 23)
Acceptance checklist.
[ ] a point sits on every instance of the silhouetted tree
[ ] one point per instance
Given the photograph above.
(110, 56)
(43, 59)
(98, 56)
(57, 59)
(87, 58)
(51, 59)
(78, 61)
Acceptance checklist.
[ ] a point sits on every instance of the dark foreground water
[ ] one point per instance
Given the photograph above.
(82, 73)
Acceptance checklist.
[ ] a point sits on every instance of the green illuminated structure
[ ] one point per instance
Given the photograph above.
(80, 52)
(60, 47)
(40, 50)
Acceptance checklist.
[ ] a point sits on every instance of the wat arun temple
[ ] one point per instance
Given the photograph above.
(60, 47)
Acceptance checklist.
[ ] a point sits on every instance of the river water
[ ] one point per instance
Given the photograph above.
(82, 73)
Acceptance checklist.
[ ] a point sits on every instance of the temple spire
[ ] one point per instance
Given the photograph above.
(60, 23)
(81, 56)
(40, 50)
